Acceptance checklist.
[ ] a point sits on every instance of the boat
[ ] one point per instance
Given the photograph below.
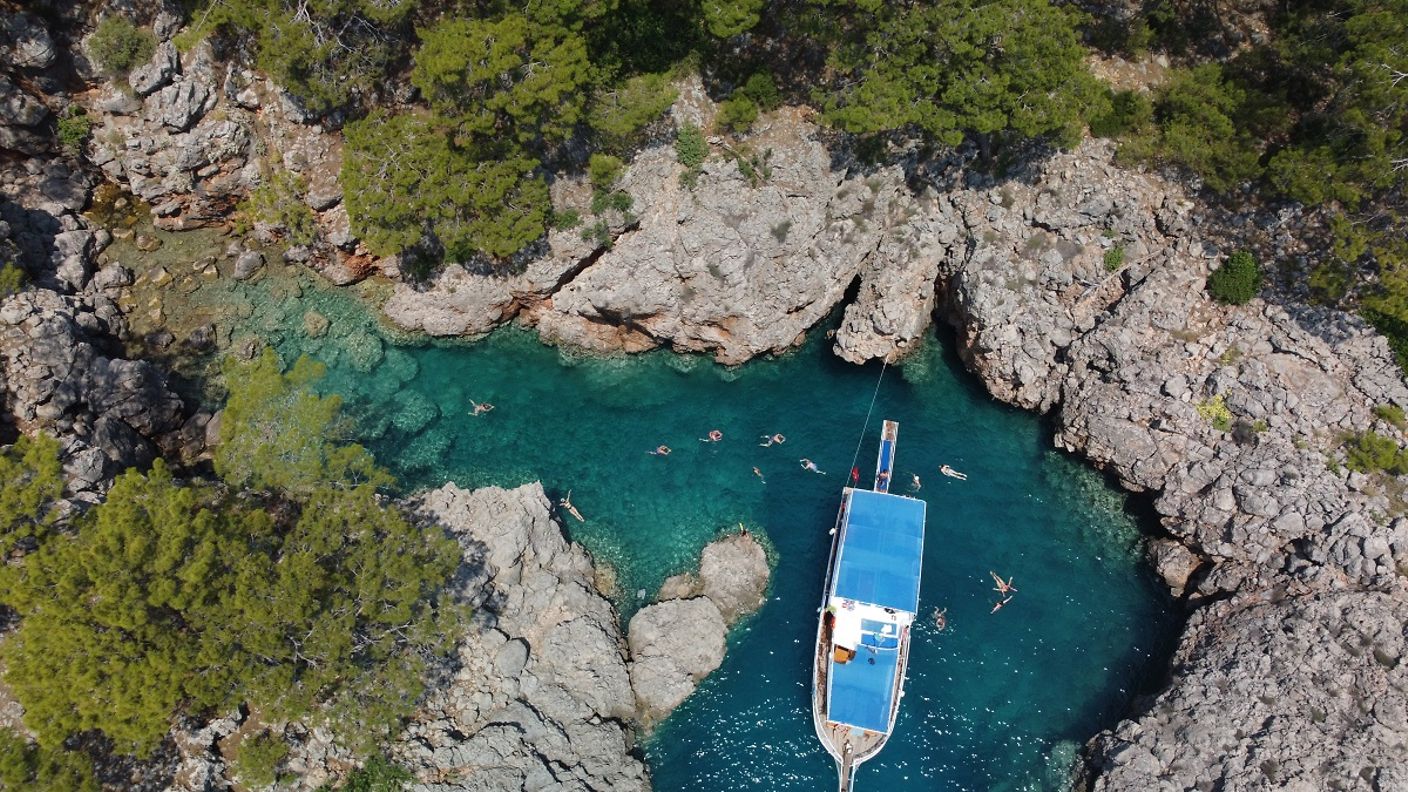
(868, 606)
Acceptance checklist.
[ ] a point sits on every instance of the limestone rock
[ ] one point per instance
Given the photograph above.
(734, 572)
(157, 72)
(674, 644)
(25, 42)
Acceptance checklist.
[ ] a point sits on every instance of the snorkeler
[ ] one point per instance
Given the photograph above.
(951, 473)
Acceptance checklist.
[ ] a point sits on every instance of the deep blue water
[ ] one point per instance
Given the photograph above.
(995, 702)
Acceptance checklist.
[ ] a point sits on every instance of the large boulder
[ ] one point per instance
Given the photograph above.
(734, 575)
(674, 645)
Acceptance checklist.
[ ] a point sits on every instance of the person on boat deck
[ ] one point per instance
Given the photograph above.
(951, 473)
(660, 450)
(883, 477)
(807, 464)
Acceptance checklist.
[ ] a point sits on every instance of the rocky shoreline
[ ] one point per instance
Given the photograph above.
(1290, 671)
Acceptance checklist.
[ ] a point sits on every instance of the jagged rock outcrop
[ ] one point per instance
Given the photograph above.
(1275, 692)
(680, 639)
(541, 697)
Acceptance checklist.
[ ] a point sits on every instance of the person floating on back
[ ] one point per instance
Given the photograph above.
(1004, 587)
(566, 503)
(951, 473)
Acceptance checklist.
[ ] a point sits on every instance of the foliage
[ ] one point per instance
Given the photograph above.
(690, 150)
(12, 278)
(566, 219)
(276, 432)
(1371, 452)
(1393, 414)
(327, 54)
(408, 183)
(41, 769)
(1114, 258)
(611, 201)
(33, 480)
(604, 170)
(279, 202)
(505, 78)
(256, 764)
(377, 775)
(619, 112)
(973, 67)
(737, 113)
(1237, 281)
(118, 46)
(725, 18)
(74, 128)
(175, 598)
(1128, 111)
(1215, 412)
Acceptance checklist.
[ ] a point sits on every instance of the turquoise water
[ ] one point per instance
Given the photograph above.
(995, 702)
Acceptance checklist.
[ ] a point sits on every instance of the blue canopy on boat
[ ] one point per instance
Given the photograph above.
(880, 557)
(862, 689)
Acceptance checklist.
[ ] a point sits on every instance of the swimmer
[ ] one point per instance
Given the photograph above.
(914, 484)
(660, 450)
(807, 464)
(566, 503)
(951, 473)
(759, 474)
(772, 440)
(940, 618)
(480, 407)
(1004, 587)
(997, 607)
(714, 436)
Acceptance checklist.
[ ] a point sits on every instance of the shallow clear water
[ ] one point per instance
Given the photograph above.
(995, 702)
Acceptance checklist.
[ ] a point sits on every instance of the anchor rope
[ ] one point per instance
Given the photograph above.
(885, 362)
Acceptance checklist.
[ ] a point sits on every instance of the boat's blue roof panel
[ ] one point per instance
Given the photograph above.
(861, 689)
(879, 561)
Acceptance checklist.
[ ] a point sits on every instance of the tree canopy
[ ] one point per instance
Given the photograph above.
(33, 479)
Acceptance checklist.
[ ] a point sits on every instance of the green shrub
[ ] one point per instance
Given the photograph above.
(1371, 452)
(74, 128)
(1129, 110)
(1393, 414)
(257, 763)
(1114, 258)
(604, 170)
(761, 88)
(1237, 281)
(690, 147)
(37, 768)
(118, 45)
(279, 202)
(12, 278)
(33, 481)
(616, 200)
(598, 232)
(566, 219)
(619, 114)
(1215, 411)
(377, 775)
(737, 113)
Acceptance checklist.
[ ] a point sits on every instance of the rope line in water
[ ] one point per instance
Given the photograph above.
(885, 362)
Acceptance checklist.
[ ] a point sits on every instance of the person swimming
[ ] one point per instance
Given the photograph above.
(480, 407)
(772, 440)
(1004, 587)
(759, 474)
(807, 464)
(566, 503)
(997, 607)
(940, 618)
(914, 484)
(951, 473)
(714, 436)
(660, 450)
